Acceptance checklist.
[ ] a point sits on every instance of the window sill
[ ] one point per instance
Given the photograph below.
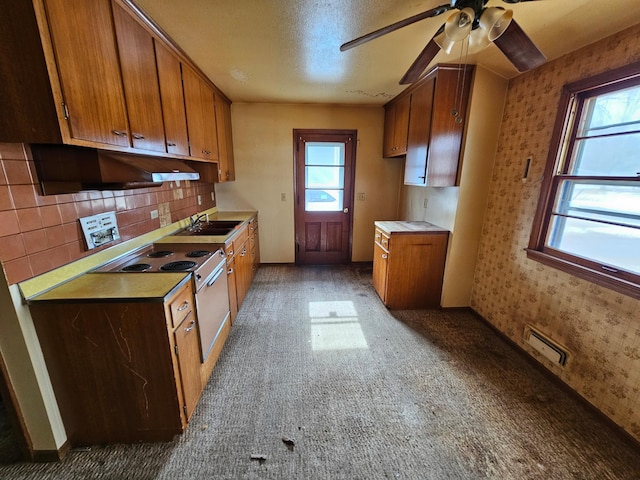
(591, 275)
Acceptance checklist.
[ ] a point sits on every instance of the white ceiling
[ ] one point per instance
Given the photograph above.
(287, 51)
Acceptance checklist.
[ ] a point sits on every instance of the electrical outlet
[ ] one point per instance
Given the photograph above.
(213, 197)
(361, 196)
(283, 197)
(426, 202)
(154, 214)
(199, 199)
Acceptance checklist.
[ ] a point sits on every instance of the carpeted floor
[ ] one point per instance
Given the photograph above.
(360, 392)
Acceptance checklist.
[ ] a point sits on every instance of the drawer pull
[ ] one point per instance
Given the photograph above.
(138, 136)
(230, 253)
(183, 307)
(190, 327)
(119, 133)
(384, 255)
(230, 271)
(171, 144)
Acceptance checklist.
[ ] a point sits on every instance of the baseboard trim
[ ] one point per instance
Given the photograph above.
(48, 456)
(558, 381)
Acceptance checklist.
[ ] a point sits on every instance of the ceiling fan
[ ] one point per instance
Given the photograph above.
(473, 22)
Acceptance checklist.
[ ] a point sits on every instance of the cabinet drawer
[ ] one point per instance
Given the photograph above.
(181, 306)
(382, 239)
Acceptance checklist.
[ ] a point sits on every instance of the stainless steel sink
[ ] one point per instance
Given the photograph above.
(212, 227)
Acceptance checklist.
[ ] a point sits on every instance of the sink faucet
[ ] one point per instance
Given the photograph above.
(195, 222)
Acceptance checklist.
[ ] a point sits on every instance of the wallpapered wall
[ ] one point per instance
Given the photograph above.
(41, 232)
(600, 328)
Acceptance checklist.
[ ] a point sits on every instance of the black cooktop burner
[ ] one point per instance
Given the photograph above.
(136, 267)
(160, 254)
(178, 266)
(198, 253)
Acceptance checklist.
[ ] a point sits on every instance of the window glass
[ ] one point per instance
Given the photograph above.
(589, 212)
(324, 176)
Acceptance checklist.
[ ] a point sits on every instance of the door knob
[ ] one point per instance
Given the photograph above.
(345, 210)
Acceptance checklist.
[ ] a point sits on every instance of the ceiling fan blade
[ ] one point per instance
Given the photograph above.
(434, 12)
(423, 60)
(519, 49)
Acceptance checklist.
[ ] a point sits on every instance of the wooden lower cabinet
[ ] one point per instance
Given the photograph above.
(243, 260)
(408, 267)
(122, 371)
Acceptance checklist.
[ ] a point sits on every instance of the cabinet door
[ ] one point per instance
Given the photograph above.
(401, 127)
(396, 125)
(226, 165)
(87, 59)
(140, 80)
(415, 270)
(446, 133)
(380, 260)
(188, 353)
(232, 279)
(415, 170)
(243, 272)
(201, 116)
(172, 98)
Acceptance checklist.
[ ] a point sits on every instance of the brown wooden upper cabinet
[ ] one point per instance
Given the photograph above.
(92, 98)
(201, 115)
(172, 97)
(396, 125)
(141, 89)
(101, 74)
(435, 133)
(226, 165)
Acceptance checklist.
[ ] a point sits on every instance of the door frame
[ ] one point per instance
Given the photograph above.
(348, 202)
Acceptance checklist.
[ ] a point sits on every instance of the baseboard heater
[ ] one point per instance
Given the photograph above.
(548, 348)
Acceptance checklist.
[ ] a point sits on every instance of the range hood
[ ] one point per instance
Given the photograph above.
(68, 169)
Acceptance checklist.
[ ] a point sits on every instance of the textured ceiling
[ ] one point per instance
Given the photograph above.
(287, 51)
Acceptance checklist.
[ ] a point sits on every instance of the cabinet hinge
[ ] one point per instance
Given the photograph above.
(175, 349)
(65, 109)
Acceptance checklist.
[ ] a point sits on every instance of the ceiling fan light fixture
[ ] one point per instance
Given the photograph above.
(478, 39)
(444, 42)
(494, 21)
(458, 25)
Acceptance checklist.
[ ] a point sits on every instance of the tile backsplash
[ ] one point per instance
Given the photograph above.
(41, 232)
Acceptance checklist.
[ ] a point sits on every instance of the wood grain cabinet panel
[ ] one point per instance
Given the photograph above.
(120, 371)
(201, 116)
(396, 125)
(408, 268)
(140, 80)
(172, 99)
(88, 66)
(435, 133)
(226, 164)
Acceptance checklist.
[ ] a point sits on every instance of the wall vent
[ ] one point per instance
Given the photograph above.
(547, 347)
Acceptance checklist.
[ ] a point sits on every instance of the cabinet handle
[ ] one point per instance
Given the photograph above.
(230, 253)
(190, 327)
(230, 271)
(171, 144)
(244, 252)
(206, 152)
(183, 307)
(119, 133)
(384, 255)
(137, 136)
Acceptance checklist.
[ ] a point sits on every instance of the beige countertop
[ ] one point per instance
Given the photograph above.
(396, 226)
(101, 287)
(211, 239)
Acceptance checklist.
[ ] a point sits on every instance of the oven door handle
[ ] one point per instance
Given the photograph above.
(215, 276)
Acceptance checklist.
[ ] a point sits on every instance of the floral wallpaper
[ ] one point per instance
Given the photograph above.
(600, 328)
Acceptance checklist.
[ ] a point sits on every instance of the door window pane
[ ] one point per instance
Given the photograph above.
(324, 176)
